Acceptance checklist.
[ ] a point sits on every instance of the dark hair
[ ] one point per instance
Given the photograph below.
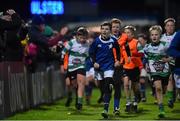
(82, 31)
(106, 23)
(37, 20)
(143, 36)
(169, 19)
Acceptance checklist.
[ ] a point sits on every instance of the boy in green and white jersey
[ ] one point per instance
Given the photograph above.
(78, 52)
(155, 53)
(169, 26)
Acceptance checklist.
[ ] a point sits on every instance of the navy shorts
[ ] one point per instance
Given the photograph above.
(133, 74)
(73, 74)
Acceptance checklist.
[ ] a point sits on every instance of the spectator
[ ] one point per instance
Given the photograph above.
(10, 47)
(37, 37)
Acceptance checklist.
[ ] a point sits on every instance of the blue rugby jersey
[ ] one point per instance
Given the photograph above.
(101, 52)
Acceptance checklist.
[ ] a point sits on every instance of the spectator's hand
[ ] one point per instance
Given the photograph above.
(10, 11)
(96, 65)
(53, 49)
(6, 17)
(117, 64)
(64, 30)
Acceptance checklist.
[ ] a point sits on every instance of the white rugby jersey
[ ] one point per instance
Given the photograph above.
(167, 38)
(78, 53)
(154, 55)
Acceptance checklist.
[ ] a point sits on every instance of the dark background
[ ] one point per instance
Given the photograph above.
(85, 10)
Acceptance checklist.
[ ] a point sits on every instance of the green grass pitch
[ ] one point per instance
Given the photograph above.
(57, 111)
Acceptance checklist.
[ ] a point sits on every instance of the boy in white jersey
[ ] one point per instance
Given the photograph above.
(155, 53)
(78, 52)
(170, 30)
(168, 37)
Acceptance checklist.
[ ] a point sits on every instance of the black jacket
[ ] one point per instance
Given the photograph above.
(10, 46)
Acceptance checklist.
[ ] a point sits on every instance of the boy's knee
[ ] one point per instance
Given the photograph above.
(158, 89)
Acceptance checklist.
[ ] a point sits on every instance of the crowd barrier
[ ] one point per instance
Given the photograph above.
(21, 90)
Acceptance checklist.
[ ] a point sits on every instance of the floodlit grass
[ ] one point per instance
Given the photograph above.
(57, 111)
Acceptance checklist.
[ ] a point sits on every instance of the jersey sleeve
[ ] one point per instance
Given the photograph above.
(116, 51)
(92, 51)
(173, 50)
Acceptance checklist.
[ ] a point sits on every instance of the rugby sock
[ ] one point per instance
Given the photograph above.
(70, 94)
(101, 86)
(76, 96)
(106, 102)
(80, 99)
(90, 88)
(161, 107)
(107, 92)
(116, 104)
(128, 100)
(142, 90)
(170, 95)
(87, 90)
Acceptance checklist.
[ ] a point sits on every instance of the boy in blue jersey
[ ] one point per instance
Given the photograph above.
(101, 53)
(174, 51)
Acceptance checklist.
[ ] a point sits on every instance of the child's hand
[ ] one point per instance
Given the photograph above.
(117, 64)
(96, 65)
(165, 59)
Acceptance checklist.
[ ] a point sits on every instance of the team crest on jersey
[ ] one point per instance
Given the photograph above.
(110, 46)
(76, 61)
(155, 48)
(159, 66)
(99, 45)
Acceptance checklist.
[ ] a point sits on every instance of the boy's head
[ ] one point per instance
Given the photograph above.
(82, 34)
(39, 21)
(116, 26)
(155, 33)
(169, 25)
(142, 38)
(130, 31)
(106, 30)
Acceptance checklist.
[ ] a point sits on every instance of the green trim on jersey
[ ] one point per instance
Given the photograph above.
(77, 54)
(70, 43)
(163, 74)
(152, 56)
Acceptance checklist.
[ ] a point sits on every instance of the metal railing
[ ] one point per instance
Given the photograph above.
(21, 90)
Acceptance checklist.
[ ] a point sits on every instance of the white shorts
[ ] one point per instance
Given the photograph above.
(177, 80)
(99, 75)
(143, 73)
(91, 72)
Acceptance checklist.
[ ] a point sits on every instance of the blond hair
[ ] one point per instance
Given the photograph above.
(132, 28)
(156, 27)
